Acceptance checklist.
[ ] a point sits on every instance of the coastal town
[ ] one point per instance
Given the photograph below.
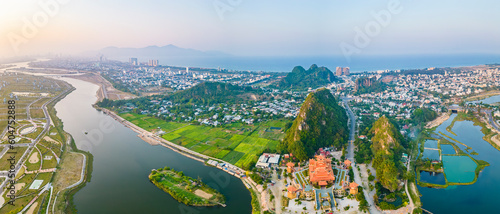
(338, 180)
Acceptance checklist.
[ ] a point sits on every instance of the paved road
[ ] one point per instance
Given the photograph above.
(276, 189)
(492, 120)
(350, 155)
(34, 142)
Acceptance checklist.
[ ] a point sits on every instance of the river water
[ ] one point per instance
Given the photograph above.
(122, 163)
(480, 197)
(489, 100)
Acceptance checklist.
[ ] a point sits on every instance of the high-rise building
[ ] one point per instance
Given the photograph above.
(342, 71)
(338, 72)
(153, 62)
(346, 71)
(133, 61)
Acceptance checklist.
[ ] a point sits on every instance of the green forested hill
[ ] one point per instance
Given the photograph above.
(300, 79)
(207, 93)
(387, 149)
(321, 122)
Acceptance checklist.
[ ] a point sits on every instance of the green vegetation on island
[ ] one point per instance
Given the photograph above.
(321, 122)
(187, 190)
(300, 78)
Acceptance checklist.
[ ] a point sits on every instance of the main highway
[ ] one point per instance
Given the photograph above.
(350, 154)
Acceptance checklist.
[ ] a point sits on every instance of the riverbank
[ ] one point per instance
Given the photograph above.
(486, 128)
(438, 121)
(152, 139)
(106, 89)
(483, 95)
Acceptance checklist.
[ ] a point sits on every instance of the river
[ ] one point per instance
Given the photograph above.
(489, 100)
(122, 163)
(480, 197)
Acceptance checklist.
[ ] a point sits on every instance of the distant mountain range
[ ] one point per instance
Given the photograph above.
(154, 52)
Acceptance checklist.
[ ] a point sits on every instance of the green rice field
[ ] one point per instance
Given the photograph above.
(237, 143)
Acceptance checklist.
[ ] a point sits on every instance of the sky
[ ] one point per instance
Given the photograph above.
(252, 27)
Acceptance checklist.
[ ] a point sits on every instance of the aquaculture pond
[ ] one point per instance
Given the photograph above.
(479, 197)
(431, 144)
(432, 177)
(459, 169)
(432, 154)
(447, 149)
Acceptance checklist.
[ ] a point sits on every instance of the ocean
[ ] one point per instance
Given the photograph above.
(357, 64)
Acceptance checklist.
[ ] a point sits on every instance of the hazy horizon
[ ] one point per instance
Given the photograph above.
(252, 28)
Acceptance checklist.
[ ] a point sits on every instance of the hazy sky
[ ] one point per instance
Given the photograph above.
(252, 27)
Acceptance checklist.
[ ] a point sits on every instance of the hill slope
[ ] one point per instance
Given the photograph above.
(207, 93)
(321, 122)
(366, 85)
(387, 149)
(300, 78)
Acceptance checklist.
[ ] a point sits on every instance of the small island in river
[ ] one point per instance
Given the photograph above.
(185, 189)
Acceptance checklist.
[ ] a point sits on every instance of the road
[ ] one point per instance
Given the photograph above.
(31, 145)
(350, 155)
(276, 189)
(492, 121)
(406, 186)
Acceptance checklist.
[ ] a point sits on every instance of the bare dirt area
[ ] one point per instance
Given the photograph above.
(438, 121)
(47, 138)
(107, 90)
(496, 139)
(32, 208)
(34, 158)
(202, 194)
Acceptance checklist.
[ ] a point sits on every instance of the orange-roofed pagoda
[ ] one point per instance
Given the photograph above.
(320, 171)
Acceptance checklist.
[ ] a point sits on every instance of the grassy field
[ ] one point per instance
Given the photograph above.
(33, 166)
(5, 164)
(37, 113)
(237, 143)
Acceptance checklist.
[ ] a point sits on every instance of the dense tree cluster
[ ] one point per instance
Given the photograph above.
(300, 78)
(321, 122)
(208, 93)
(423, 115)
